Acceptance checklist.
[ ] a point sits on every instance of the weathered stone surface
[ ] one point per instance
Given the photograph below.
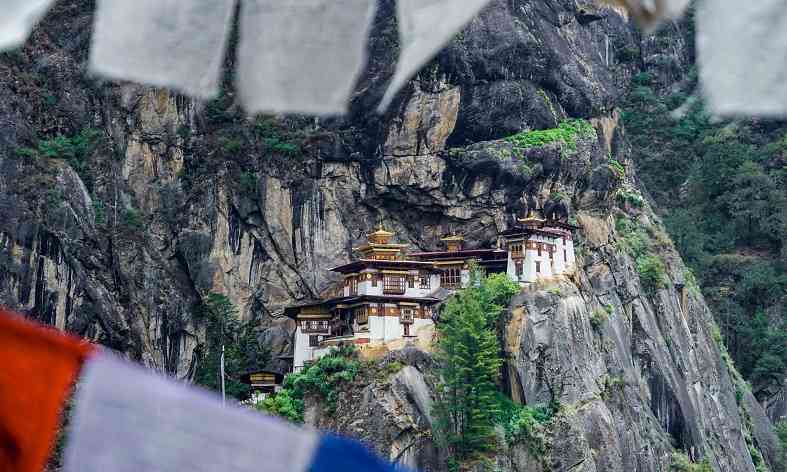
(184, 198)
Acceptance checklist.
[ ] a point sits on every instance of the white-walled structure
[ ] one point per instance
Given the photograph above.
(387, 295)
(539, 248)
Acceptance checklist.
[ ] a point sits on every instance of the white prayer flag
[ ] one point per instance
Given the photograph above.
(425, 27)
(303, 56)
(129, 419)
(166, 43)
(649, 13)
(741, 56)
(17, 19)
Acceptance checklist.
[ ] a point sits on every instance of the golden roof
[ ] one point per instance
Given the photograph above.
(453, 237)
(531, 218)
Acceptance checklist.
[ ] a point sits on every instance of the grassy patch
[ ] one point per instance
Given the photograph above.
(567, 134)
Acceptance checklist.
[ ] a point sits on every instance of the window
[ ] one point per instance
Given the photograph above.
(519, 270)
(411, 281)
(451, 277)
(407, 315)
(354, 286)
(551, 254)
(318, 326)
(565, 256)
(407, 330)
(393, 284)
(424, 281)
(314, 340)
(538, 267)
(361, 315)
(564, 240)
(516, 250)
(374, 280)
(539, 249)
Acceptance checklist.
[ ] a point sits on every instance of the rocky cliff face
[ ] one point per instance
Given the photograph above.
(177, 199)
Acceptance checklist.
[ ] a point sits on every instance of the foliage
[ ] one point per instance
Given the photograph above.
(323, 378)
(682, 463)
(781, 432)
(598, 318)
(627, 195)
(523, 423)
(74, 149)
(617, 168)
(249, 184)
(652, 273)
(100, 212)
(567, 133)
(242, 352)
(133, 218)
(468, 352)
(638, 243)
(730, 222)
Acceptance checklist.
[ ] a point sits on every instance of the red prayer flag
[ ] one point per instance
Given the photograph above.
(38, 366)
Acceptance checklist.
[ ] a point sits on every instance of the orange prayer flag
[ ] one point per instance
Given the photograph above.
(38, 367)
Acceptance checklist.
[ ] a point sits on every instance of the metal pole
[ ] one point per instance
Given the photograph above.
(223, 393)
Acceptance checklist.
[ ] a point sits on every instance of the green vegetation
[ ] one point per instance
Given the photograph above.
(723, 186)
(242, 352)
(652, 273)
(322, 378)
(100, 211)
(682, 463)
(74, 149)
(249, 184)
(638, 242)
(523, 423)
(468, 350)
(781, 432)
(567, 133)
(600, 316)
(617, 168)
(133, 218)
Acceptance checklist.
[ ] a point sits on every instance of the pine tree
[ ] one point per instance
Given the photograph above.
(242, 351)
(469, 354)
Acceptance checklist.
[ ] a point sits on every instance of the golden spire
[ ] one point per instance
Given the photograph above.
(531, 219)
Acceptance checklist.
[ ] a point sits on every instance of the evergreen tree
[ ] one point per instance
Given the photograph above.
(469, 354)
(242, 352)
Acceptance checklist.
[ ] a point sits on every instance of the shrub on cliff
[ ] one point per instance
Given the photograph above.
(322, 378)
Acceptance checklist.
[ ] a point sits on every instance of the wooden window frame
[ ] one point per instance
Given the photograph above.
(451, 277)
(424, 282)
(394, 284)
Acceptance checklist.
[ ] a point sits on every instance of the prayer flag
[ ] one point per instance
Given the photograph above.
(425, 27)
(165, 43)
(304, 56)
(39, 366)
(741, 56)
(17, 19)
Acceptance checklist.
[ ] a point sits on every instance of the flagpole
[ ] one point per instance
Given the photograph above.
(223, 394)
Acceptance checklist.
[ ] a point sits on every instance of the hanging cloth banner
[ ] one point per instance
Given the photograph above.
(129, 419)
(649, 13)
(425, 27)
(303, 56)
(17, 19)
(741, 58)
(39, 366)
(165, 43)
